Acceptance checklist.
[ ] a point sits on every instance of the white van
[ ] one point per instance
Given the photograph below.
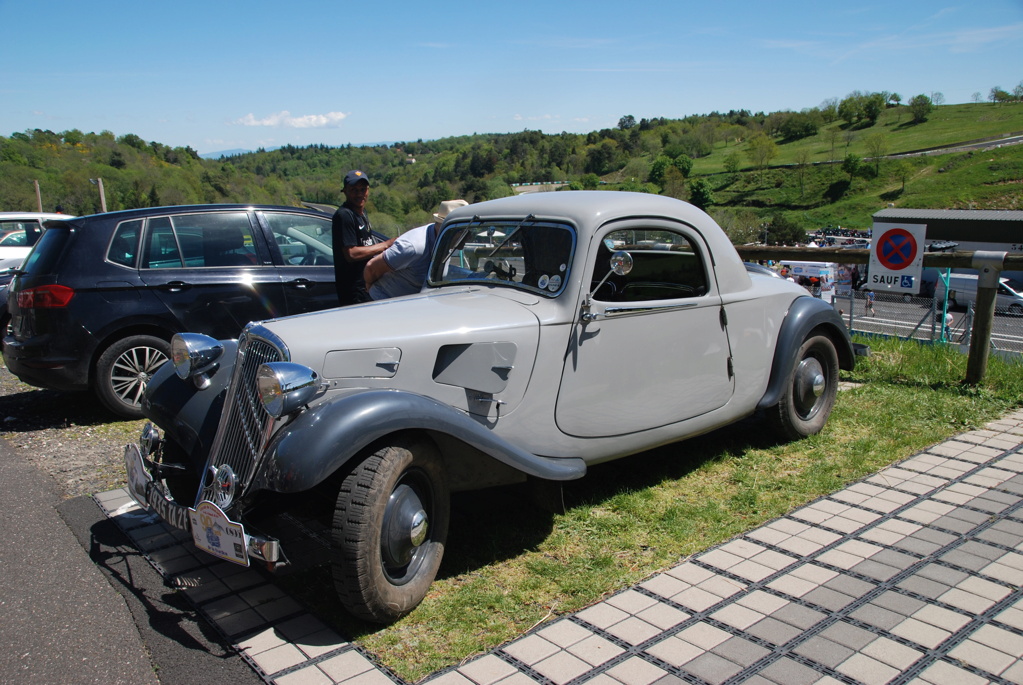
(962, 292)
(819, 277)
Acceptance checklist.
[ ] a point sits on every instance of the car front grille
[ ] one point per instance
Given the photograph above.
(245, 428)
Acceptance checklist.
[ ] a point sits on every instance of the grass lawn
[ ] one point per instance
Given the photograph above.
(510, 566)
(945, 125)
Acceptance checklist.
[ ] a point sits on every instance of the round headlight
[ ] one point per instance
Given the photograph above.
(284, 387)
(194, 353)
(149, 440)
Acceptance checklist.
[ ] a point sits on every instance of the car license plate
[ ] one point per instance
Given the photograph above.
(216, 534)
(138, 476)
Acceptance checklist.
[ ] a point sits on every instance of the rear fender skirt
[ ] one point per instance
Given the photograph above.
(806, 315)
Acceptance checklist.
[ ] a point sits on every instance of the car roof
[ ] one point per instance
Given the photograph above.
(185, 209)
(584, 207)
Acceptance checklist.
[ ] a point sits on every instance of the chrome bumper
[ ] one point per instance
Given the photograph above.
(151, 494)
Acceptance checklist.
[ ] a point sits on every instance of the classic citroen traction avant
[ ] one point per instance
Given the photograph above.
(555, 331)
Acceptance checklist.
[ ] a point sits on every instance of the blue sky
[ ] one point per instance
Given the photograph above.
(229, 75)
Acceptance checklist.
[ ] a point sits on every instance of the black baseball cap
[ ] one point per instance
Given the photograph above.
(353, 177)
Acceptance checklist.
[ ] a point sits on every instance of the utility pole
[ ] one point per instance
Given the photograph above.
(39, 198)
(102, 195)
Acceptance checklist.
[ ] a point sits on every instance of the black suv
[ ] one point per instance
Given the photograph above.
(99, 297)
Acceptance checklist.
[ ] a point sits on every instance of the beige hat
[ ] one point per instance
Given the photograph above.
(446, 208)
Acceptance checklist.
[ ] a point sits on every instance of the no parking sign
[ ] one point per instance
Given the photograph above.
(896, 257)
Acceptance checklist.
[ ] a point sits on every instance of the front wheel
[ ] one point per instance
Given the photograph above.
(809, 392)
(124, 369)
(390, 527)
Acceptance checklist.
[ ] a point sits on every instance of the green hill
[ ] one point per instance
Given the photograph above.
(808, 169)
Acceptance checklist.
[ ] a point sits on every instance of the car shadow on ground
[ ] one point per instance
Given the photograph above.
(497, 524)
(35, 409)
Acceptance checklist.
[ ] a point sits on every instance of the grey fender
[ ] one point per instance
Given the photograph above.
(187, 415)
(806, 315)
(321, 439)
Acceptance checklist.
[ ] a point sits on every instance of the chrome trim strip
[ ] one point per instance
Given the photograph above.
(642, 309)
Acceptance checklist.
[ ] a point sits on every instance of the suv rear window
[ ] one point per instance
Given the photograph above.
(46, 252)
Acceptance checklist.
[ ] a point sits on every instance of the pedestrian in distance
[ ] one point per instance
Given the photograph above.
(353, 240)
(401, 269)
(870, 303)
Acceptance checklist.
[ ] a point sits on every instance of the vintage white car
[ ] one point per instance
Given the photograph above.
(576, 328)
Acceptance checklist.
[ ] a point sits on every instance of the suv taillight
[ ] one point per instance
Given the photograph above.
(45, 297)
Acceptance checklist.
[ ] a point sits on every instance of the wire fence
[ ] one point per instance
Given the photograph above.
(923, 318)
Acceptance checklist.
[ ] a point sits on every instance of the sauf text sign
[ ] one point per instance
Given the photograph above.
(896, 257)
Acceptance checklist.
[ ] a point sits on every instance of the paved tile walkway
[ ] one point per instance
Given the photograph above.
(912, 575)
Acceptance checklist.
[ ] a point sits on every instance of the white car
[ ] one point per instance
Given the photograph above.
(598, 325)
(19, 231)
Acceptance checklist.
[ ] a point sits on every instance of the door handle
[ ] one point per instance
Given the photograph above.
(300, 283)
(175, 286)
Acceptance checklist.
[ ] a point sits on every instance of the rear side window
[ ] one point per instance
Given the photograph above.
(665, 266)
(124, 246)
(199, 240)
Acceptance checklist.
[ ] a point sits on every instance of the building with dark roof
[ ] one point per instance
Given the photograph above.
(997, 230)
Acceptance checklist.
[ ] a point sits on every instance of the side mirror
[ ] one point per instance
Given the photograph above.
(621, 264)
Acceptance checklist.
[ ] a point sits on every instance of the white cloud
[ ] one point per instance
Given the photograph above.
(285, 120)
(542, 117)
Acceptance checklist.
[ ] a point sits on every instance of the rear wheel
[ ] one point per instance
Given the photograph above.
(124, 369)
(390, 527)
(810, 391)
(1015, 309)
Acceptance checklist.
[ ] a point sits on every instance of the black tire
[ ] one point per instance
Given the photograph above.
(390, 527)
(809, 392)
(1015, 310)
(123, 370)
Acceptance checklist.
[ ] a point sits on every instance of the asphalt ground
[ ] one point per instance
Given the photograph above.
(79, 604)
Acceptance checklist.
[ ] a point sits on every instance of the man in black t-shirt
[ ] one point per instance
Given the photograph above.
(353, 240)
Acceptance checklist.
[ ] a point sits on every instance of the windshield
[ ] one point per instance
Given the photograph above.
(527, 254)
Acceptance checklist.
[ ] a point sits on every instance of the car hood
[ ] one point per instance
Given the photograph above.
(470, 348)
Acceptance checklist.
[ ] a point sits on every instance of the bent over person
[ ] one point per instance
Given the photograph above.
(401, 269)
(352, 237)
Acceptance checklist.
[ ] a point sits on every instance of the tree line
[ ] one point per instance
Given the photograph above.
(655, 155)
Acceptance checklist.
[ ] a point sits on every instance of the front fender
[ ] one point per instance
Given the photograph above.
(806, 314)
(187, 415)
(321, 439)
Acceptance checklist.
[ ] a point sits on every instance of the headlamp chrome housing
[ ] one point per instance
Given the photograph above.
(195, 356)
(284, 387)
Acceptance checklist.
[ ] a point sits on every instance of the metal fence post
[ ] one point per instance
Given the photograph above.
(852, 308)
(989, 267)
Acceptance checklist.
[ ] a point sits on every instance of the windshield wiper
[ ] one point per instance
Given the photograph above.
(457, 243)
(512, 232)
